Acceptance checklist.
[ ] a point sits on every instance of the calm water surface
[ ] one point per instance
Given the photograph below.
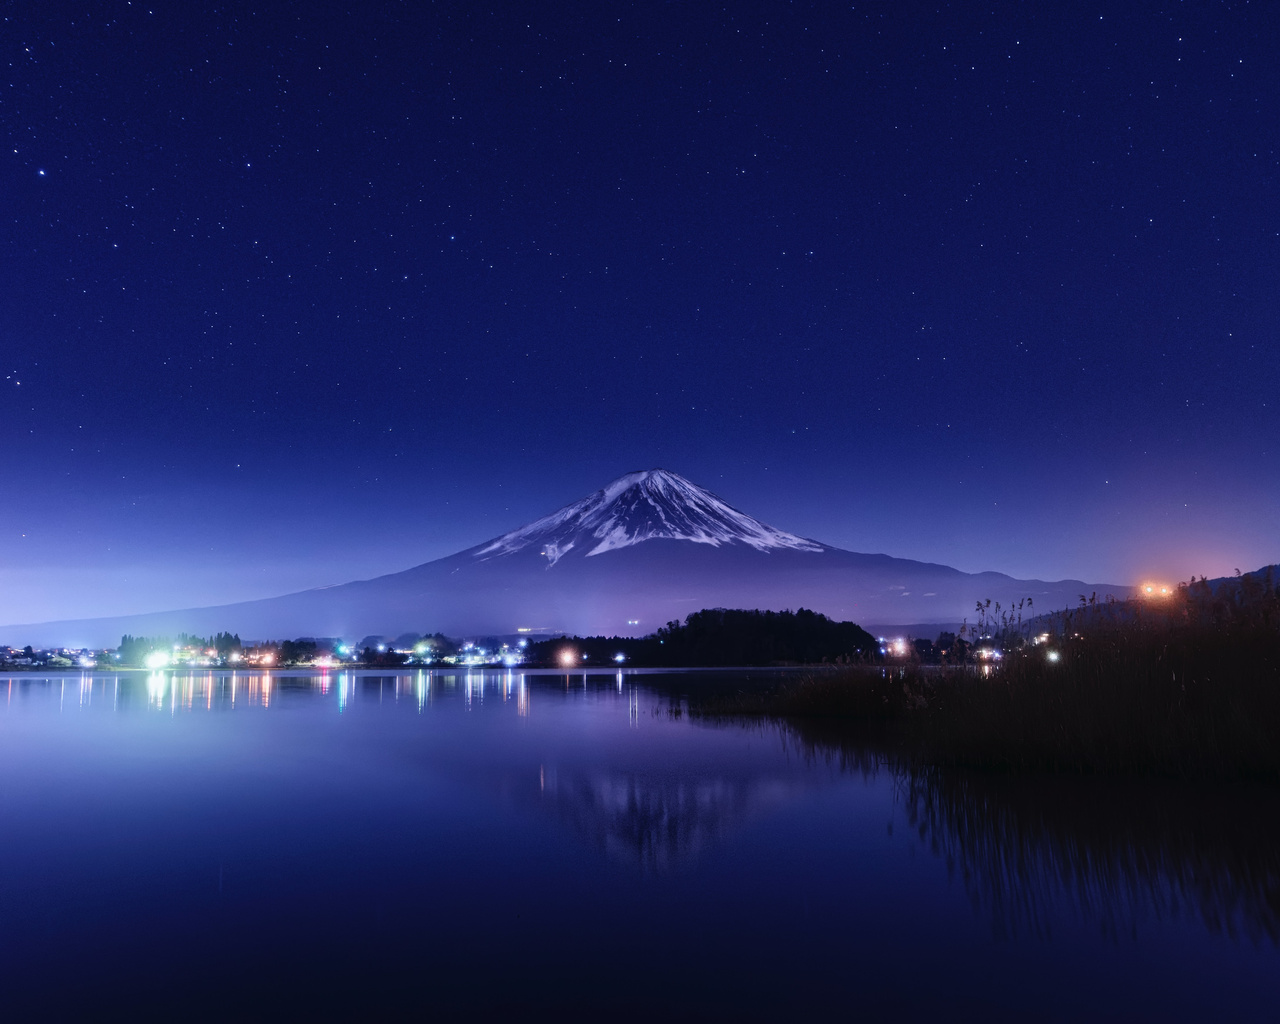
(457, 844)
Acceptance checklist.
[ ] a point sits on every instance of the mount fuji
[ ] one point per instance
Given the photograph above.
(648, 548)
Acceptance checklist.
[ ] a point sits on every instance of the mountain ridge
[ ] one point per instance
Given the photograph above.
(647, 548)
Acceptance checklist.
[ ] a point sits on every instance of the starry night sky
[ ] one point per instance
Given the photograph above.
(296, 294)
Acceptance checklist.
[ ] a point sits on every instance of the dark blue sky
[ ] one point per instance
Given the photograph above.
(300, 294)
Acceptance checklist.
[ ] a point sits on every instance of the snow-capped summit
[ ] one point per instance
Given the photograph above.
(651, 504)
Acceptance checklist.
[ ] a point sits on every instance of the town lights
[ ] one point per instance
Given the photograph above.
(157, 659)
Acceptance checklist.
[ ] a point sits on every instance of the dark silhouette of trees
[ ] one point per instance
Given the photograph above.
(133, 650)
(293, 651)
(719, 636)
(226, 644)
(723, 637)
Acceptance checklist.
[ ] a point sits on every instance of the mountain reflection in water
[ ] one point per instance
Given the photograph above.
(1115, 853)
(653, 822)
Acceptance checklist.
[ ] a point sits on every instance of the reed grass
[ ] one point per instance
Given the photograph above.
(1141, 698)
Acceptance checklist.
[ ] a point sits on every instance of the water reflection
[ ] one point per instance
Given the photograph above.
(1117, 854)
(172, 692)
(1032, 855)
(656, 822)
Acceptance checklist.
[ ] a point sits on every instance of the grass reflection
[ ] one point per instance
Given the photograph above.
(1112, 852)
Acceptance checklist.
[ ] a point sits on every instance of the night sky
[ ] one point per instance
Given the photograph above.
(302, 293)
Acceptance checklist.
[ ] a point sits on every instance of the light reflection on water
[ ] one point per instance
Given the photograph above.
(540, 811)
(227, 690)
(213, 690)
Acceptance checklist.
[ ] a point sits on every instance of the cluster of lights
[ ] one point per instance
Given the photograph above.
(1156, 590)
(896, 646)
(568, 657)
(179, 656)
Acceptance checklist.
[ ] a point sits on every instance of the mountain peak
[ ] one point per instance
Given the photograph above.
(651, 504)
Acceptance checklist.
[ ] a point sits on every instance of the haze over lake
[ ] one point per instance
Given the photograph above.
(457, 842)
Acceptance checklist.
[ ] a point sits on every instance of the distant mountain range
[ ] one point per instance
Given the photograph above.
(648, 548)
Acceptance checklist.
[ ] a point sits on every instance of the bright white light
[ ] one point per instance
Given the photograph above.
(619, 657)
(568, 657)
(1053, 655)
(157, 659)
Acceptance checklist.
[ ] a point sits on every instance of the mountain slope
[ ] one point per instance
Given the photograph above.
(648, 548)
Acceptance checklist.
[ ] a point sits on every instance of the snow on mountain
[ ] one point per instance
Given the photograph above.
(647, 505)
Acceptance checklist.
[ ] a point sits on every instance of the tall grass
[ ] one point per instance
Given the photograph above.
(1162, 697)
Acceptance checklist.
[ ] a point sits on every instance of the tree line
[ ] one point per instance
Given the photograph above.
(133, 650)
(721, 637)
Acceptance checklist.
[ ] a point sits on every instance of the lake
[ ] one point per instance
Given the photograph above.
(459, 844)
